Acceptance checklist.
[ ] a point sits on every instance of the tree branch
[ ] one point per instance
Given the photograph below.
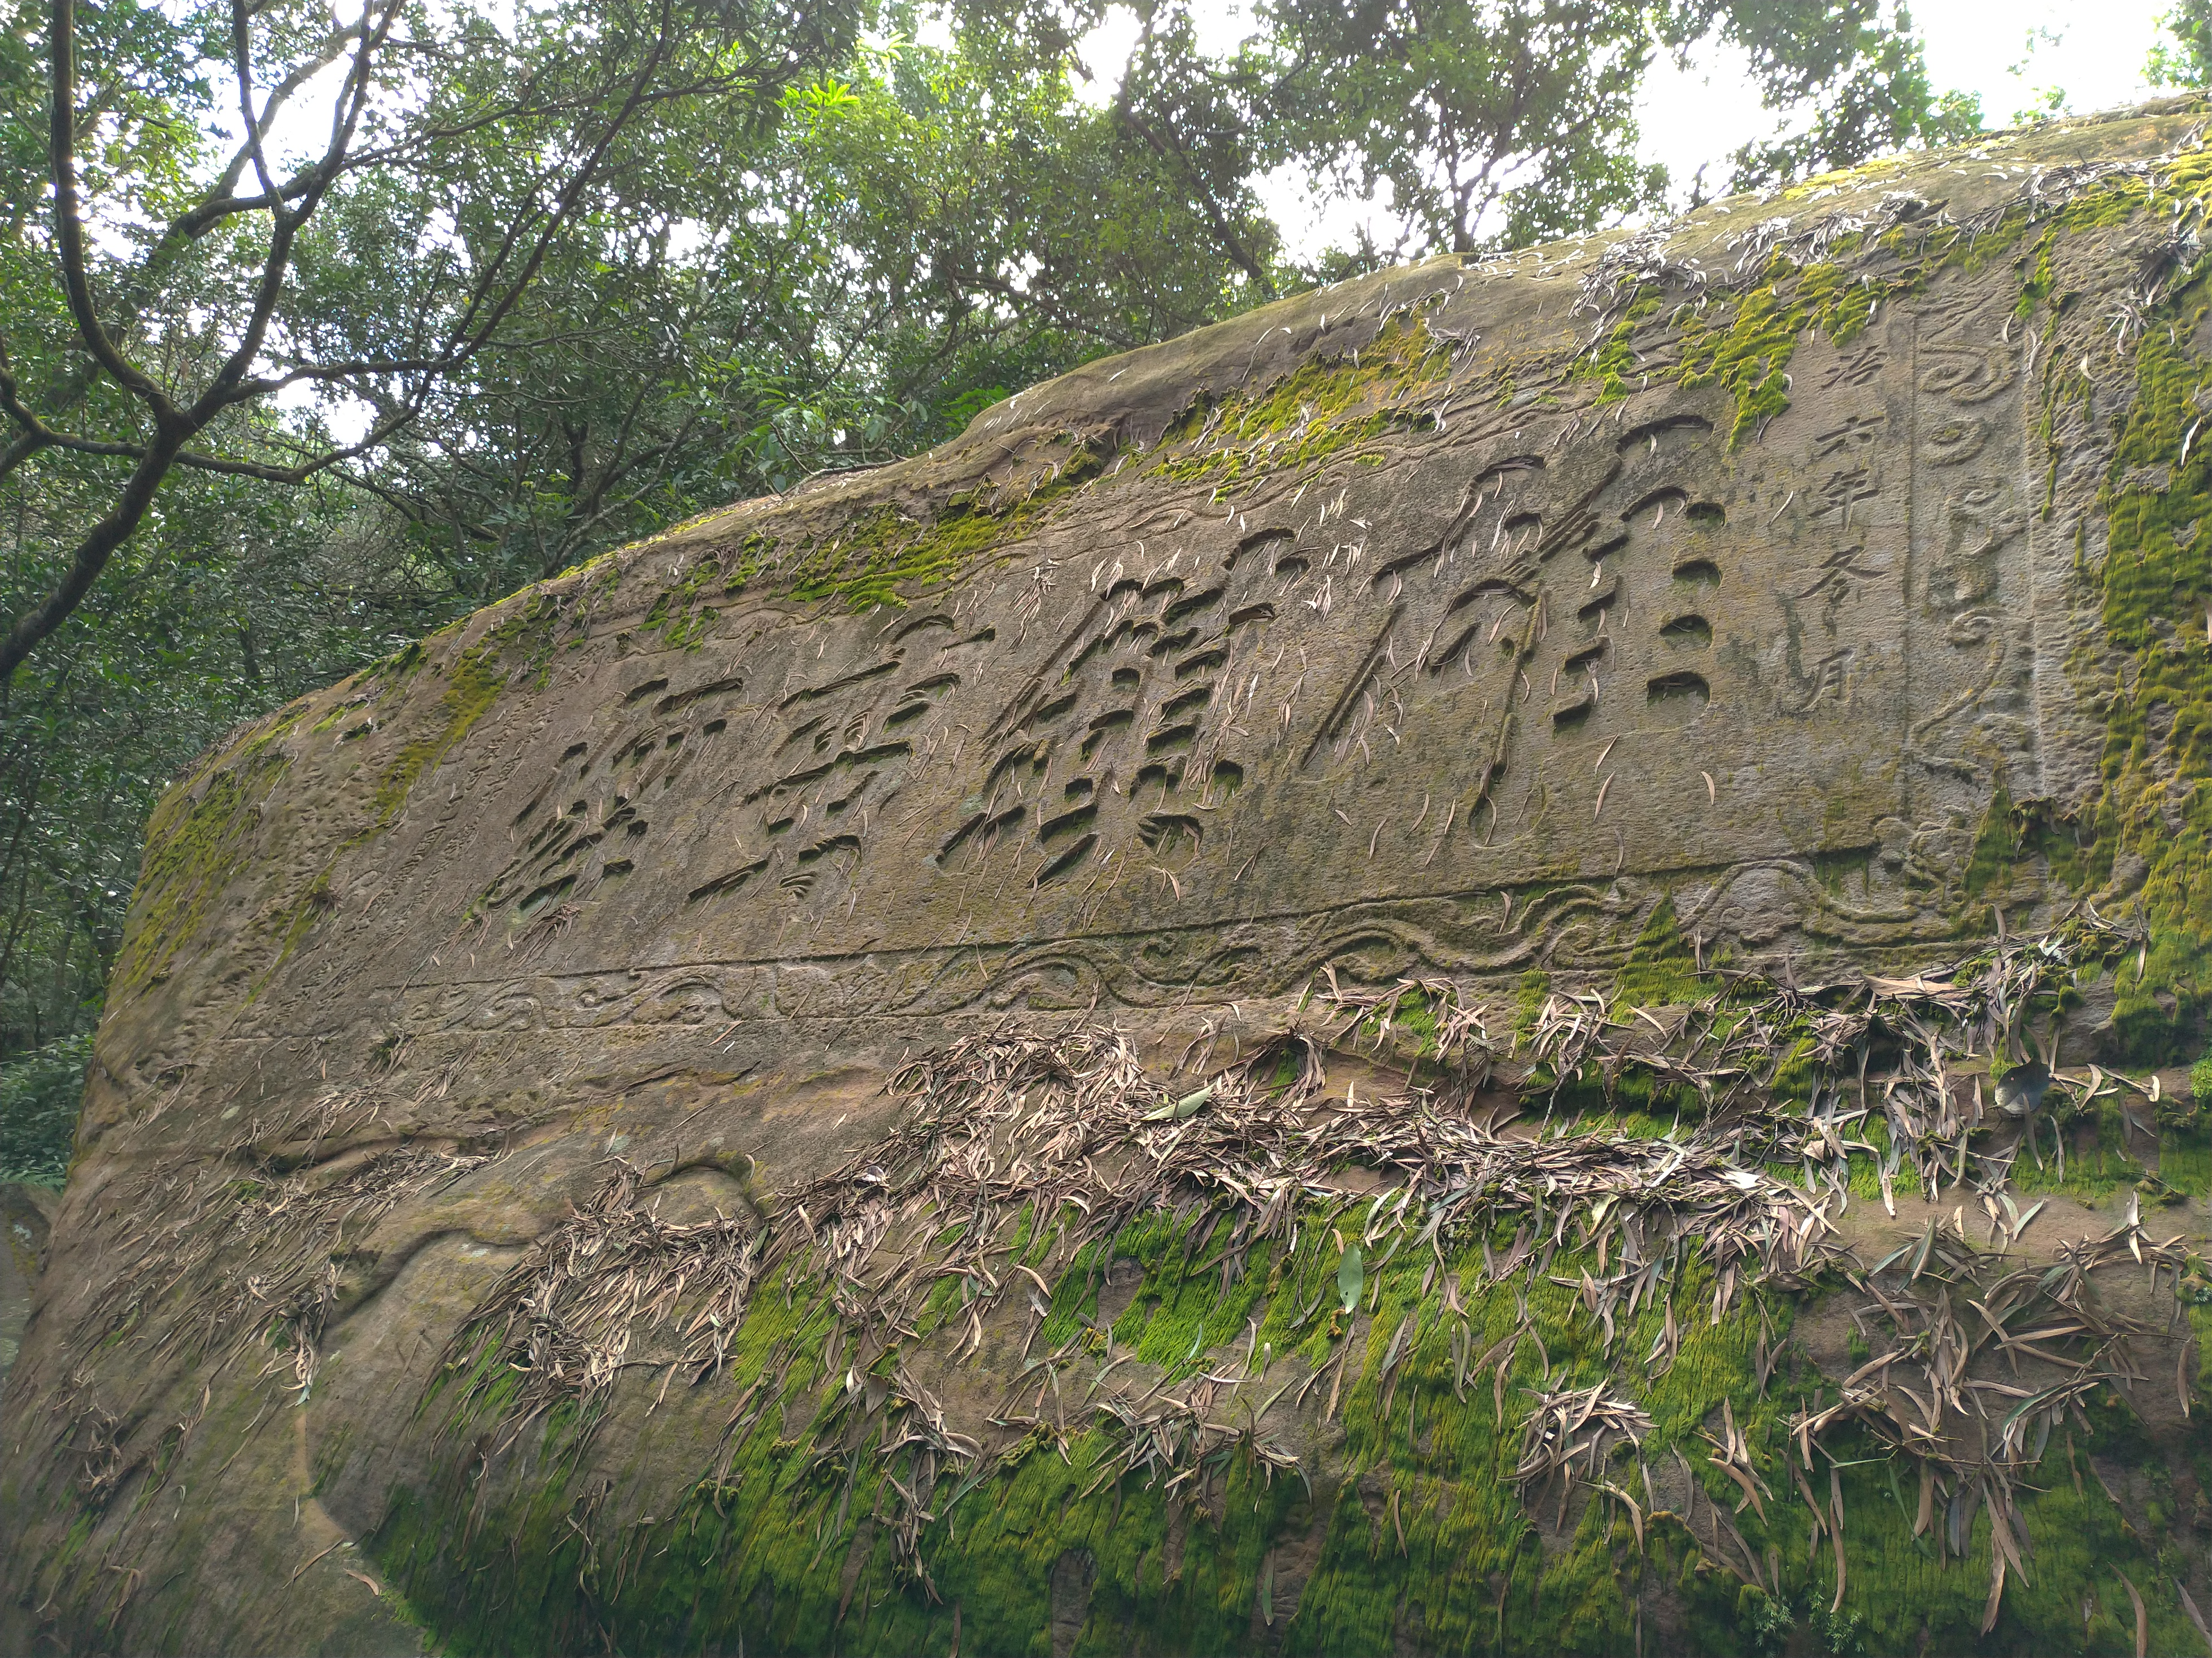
(92, 554)
(69, 220)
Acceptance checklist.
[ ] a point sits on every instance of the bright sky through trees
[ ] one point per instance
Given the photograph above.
(2012, 53)
(2016, 55)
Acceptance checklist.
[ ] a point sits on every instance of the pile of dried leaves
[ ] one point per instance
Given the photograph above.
(1972, 1435)
(1018, 1152)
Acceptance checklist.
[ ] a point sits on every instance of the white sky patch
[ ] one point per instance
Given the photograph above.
(1105, 52)
(933, 29)
(1312, 222)
(1696, 117)
(688, 239)
(1977, 45)
(2009, 51)
(347, 419)
(1222, 27)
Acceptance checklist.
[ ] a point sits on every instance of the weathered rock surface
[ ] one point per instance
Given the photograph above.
(27, 1215)
(1694, 623)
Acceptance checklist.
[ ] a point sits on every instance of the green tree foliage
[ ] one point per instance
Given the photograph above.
(1494, 125)
(473, 293)
(850, 282)
(1853, 76)
(379, 259)
(2186, 59)
(39, 1095)
(1498, 122)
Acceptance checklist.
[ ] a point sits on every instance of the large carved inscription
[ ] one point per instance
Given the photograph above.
(1545, 657)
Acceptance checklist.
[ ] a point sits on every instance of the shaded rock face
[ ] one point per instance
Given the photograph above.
(1675, 686)
(27, 1214)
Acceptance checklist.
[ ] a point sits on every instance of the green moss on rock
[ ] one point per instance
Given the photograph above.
(195, 840)
(2157, 617)
(1326, 405)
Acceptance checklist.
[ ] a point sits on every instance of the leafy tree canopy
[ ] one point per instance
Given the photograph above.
(2183, 58)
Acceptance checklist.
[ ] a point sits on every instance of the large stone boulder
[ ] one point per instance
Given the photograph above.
(1501, 959)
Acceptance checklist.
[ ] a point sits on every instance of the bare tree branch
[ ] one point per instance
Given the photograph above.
(399, 385)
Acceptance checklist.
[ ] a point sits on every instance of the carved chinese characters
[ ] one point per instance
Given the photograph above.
(1367, 707)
